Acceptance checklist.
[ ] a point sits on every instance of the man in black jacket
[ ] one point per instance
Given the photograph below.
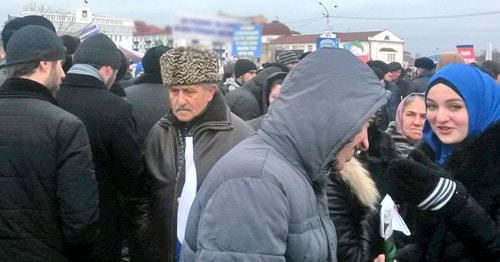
(112, 134)
(149, 97)
(48, 191)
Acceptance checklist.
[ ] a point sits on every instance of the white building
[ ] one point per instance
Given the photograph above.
(375, 45)
(120, 30)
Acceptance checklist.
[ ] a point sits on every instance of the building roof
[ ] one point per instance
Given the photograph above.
(275, 28)
(311, 38)
(141, 28)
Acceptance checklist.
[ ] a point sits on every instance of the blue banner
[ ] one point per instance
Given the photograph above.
(322, 42)
(247, 41)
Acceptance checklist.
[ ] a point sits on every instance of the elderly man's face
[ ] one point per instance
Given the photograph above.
(188, 101)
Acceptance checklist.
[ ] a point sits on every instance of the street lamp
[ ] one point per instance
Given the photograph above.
(327, 15)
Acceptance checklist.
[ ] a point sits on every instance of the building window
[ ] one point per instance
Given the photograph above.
(387, 38)
(391, 57)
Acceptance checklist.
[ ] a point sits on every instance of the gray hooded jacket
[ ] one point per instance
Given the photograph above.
(265, 199)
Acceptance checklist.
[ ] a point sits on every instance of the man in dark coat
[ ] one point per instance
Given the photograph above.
(265, 200)
(425, 69)
(183, 146)
(112, 134)
(149, 98)
(246, 101)
(48, 191)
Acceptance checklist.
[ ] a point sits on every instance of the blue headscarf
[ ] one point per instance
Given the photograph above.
(482, 99)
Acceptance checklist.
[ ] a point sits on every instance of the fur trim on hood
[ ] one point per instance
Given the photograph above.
(357, 177)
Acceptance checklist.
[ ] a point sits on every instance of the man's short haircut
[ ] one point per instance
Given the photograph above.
(20, 70)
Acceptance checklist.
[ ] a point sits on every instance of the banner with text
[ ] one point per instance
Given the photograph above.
(247, 41)
(467, 52)
(194, 28)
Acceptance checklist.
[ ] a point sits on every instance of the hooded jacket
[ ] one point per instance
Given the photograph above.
(265, 200)
(214, 133)
(256, 122)
(246, 101)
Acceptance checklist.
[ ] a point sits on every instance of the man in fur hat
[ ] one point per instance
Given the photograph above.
(184, 145)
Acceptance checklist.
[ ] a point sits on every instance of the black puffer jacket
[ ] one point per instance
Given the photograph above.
(476, 164)
(246, 101)
(48, 191)
(355, 219)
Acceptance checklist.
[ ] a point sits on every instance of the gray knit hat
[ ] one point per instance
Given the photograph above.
(287, 58)
(33, 43)
(188, 66)
(98, 50)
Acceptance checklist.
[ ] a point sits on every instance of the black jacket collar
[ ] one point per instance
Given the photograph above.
(86, 81)
(25, 88)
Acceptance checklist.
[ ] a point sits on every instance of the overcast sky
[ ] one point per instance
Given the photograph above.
(422, 36)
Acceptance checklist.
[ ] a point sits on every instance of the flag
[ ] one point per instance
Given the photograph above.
(390, 220)
(88, 31)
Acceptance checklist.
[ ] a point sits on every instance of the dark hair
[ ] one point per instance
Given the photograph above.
(123, 67)
(19, 70)
(492, 67)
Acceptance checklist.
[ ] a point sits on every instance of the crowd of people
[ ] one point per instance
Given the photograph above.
(286, 161)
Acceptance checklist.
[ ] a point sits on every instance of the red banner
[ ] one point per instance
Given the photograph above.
(467, 52)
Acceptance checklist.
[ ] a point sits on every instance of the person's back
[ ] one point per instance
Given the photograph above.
(149, 99)
(48, 192)
(113, 138)
(265, 200)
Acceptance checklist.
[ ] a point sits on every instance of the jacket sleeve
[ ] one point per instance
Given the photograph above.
(245, 219)
(126, 154)
(472, 225)
(354, 224)
(77, 191)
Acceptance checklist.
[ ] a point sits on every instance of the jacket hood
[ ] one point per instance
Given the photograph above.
(267, 88)
(256, 85)
(323, 104)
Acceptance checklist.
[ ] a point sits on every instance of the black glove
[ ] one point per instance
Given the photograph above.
(420, 185)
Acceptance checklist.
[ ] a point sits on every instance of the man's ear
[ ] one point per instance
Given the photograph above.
(106, 70)
(212, 89)
(44, 66)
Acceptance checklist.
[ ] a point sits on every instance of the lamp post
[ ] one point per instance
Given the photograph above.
(327, 15)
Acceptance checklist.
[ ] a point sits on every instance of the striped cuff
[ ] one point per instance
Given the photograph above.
(440, 196)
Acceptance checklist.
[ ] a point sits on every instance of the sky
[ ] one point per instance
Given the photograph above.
(416, 22)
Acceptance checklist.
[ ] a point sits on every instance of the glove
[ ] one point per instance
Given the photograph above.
(420, 185)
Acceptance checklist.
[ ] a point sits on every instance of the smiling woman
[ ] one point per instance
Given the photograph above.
(461, 136)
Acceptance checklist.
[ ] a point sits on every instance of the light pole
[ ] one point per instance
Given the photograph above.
(327, 15)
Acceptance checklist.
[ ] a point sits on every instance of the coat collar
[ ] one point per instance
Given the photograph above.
(25, 88)
(216, 116)
(85, 81)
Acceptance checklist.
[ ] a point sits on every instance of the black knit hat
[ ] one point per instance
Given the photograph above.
(243, 66)
(17, 23)
(393, 66)
(425, 63)
(98, 50)
(33, 43)
(71, 43)
(151, 60)
(287, 58)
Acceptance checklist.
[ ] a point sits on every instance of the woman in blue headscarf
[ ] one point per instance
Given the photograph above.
(456, 170)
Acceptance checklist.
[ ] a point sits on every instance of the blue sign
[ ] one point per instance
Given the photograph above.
(247, 41)
(322, 42)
